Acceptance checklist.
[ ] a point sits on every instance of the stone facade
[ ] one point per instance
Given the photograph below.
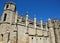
(19, 29)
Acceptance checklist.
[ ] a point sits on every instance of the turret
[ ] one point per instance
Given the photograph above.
(56, 30)
(55, 22)
(51, 31)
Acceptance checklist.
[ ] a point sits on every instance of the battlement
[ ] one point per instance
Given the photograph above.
(30, 22)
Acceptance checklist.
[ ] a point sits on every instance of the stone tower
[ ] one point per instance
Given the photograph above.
(9, 17)
(9, 12)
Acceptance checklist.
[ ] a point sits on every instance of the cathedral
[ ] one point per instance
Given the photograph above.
(19, 29)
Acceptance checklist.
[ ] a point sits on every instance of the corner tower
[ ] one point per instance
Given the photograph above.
(9, 12)
(9, 17)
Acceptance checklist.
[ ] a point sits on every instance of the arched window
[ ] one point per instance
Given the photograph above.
(5, 15)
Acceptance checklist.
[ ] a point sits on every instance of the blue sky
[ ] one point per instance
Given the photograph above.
(40, 8)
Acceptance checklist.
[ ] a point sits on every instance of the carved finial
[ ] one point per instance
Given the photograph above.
(26, 18)
(49, 23)
(41, 23)
(46, 27)
(49, 19)
(26, 15)
(34, 21)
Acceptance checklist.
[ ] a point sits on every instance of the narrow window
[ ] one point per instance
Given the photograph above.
(8, 36)
(7, 6)
(5, 17)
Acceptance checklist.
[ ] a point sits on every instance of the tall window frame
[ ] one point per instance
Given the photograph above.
(5, 16)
